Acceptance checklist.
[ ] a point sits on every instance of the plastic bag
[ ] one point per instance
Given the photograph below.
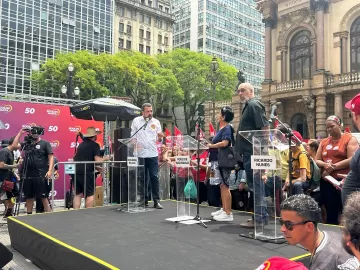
(190, 190)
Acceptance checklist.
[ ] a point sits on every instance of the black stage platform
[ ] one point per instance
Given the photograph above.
(103, 238)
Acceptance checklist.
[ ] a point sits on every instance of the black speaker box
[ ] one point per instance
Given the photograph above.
(5, 255)
(118, 174)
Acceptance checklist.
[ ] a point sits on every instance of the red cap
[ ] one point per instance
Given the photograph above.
(278, 263)
(354, 104)
(298, 136)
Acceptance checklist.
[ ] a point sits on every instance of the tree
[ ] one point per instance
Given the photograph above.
(192, 71)
(96, 75)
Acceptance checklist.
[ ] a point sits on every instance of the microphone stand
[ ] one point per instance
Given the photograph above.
(289, 135)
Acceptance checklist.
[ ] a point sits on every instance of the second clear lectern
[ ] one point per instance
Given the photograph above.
(267, 146)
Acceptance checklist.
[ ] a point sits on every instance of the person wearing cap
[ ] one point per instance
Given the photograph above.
(300, 166)
(84, 179)
(299, 219)
(279, 263)
(333, 157)
(351, 182)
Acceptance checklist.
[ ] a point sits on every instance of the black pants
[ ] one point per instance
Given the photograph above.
(331, 198)
(150, 172)
(213, 194)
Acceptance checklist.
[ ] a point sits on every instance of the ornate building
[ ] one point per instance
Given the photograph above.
(143, 25)
(312, 60)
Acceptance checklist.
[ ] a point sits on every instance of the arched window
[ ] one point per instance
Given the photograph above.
(301, 56)
(355, 45)
(299, 123)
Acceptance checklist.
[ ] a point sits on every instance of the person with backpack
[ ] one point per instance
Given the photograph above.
(333, 157)
(301, 173)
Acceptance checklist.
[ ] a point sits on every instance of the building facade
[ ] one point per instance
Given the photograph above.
(35, 30)
(228, 29)
(312, 60)
(143, 25)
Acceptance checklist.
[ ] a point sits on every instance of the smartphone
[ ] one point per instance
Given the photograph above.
(342, 175)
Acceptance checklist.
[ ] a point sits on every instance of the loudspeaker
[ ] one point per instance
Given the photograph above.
(118, 174)
(5, 255)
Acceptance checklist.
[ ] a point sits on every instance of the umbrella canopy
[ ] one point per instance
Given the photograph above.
(105, 109)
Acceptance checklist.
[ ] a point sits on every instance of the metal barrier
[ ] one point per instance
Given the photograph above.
(114, 188)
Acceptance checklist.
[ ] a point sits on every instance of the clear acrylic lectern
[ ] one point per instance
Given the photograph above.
(267, 145)
(136, 184)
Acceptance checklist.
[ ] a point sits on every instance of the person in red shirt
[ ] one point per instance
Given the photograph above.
(202, 174)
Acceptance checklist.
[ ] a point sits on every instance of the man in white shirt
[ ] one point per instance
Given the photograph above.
(147, 132)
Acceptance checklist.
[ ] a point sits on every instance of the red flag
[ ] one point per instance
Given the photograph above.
(211, 130)
(178, 137)
(201, 135)
(168, 137)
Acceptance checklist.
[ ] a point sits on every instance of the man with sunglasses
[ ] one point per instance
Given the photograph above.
(300, 215)
(351, 183)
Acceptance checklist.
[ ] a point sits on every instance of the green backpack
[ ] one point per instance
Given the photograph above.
(314, 170)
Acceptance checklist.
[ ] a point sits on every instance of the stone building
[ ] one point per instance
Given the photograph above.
(312, 60)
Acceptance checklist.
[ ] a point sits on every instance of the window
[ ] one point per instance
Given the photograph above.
(121, 27)
(150, 3)
(128, 44)
(355, 46)
(128, 13)
(301, 56)
(159, 24)
(141, 48)
(166, 40)
(141, 33)
(128, 29)
(167, 10)
(159, 38)
(148, 35)
(147, 49)
(121, 11)
(159, 51)
(121, 43)
(142, 18)
(161, 7)
(148, 20)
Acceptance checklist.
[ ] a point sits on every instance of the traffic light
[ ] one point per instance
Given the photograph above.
(201, 110)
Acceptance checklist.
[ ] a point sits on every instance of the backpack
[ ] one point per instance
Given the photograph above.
(314, 171)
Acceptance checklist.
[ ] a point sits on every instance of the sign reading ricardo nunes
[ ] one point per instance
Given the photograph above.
(182, 161)
(263, 162)
(132, 161)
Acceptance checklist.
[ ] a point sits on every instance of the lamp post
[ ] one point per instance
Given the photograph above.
(68, 89)
(213, 78)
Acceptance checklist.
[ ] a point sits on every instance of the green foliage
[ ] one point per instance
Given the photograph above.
(179, 78)
(193, 73)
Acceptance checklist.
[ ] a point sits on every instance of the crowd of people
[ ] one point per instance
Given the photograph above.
(323, 179)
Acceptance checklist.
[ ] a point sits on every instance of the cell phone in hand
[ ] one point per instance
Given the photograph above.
(342, 175)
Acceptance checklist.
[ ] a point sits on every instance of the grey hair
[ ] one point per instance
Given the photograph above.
(247, 86)
(304, 206)
(351, 218)
(146, 105)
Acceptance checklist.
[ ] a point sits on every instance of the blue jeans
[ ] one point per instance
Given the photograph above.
(300, 187)
(254, 182)
(151, 174)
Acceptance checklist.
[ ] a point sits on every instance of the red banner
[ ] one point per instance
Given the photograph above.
(168, 141)
(179, 140)
(60, 130)
(201, 133)
(211, 130)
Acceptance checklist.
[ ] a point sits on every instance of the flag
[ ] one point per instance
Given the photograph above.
(178, 141)
(168, 141)
(211, 130)
(201, 135)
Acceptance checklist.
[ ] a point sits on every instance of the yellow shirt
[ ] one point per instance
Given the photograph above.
(300, 161)
(282, 158)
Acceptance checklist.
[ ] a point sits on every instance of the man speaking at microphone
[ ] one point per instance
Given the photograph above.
(147, 131)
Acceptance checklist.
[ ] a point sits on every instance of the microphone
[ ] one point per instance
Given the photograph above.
(146, 122)
(272, 114)
(80, 135)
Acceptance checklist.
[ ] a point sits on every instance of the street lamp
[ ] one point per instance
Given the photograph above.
(68, 89)
(213, 78)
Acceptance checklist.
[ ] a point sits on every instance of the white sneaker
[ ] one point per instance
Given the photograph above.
(224, 217)
(219, 212)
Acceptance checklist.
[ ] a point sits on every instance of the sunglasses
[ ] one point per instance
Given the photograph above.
(350, 115)
(289, 225)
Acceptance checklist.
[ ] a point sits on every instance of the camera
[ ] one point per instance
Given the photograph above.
(33, 130)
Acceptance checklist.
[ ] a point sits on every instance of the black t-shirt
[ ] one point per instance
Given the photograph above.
(86, 151)
(253, 118)
(37, 159)
(7, 157)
